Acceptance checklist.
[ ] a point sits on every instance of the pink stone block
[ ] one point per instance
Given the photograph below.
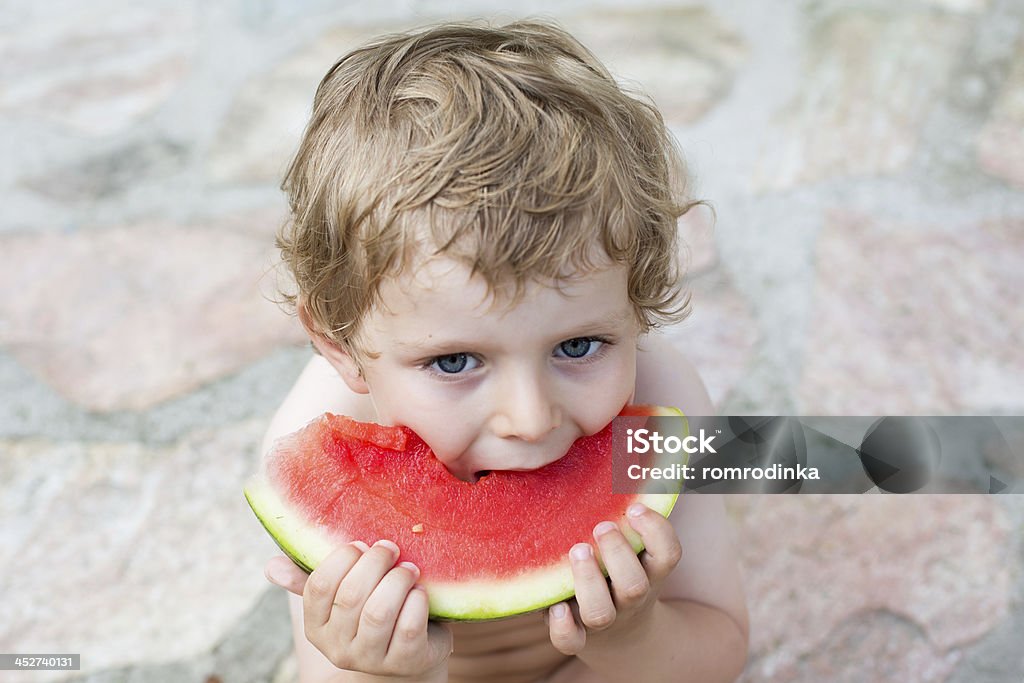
(123, 318)
(719, 335)
(875, 587)
(915, 319)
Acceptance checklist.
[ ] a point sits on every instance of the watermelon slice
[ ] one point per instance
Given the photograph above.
(485, 550)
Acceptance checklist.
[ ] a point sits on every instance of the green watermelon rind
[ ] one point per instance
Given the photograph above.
(265, 503)
(307, 544)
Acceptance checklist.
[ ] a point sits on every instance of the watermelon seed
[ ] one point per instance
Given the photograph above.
(417, 528)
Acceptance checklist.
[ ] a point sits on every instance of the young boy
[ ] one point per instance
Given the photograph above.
(482, 235)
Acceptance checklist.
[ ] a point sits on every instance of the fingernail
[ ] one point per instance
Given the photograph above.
(359, 544)
(636, 510)
(390, 545)
(558, 610)
(411, 567)
(603, 528)
(580, 551)
(273, 577)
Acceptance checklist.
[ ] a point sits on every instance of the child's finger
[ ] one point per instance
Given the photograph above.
(629, 580)
(357, 586)
(282, 572)
(416, 642)
(662, 550)
(567, 637)
(379, 614)
(597, 611)
(322, 585)
(410, 631)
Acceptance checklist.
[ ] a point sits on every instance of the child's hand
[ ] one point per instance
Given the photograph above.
(605, 613)
(364, 613)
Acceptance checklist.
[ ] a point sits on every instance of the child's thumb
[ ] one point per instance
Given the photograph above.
(282, 572)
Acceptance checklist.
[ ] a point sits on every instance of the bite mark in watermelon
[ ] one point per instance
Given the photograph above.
(485, 550)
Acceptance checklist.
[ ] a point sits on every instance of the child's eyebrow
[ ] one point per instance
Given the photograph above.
(604, 324)
(608, 322)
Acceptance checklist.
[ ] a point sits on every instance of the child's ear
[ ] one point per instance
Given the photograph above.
(340, 359)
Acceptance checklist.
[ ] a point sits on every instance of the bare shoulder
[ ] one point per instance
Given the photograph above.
(709, 571)
(664, 376)
(319, 389)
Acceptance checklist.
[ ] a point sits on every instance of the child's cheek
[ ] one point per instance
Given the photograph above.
(613, 388)
(440, 418)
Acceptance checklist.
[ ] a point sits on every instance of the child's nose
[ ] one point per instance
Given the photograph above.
(524, 408)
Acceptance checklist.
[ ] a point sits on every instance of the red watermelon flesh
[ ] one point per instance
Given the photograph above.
(487, 549)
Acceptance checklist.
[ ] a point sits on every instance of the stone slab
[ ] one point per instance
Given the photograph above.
(869, 82)
(1000, 146)
(129, 554)
(719, 336)
(684, 57)
(915, 319)
(873, 587)
(125, 317)
(264, 123)
(94, 68)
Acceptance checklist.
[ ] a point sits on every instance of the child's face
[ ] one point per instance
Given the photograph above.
(493, 387)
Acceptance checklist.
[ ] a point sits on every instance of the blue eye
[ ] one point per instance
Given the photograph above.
(579, 347)
(454, 363)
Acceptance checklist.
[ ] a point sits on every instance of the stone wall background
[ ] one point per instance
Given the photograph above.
(865, 160)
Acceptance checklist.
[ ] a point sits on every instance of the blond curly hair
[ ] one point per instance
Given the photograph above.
(510, 149)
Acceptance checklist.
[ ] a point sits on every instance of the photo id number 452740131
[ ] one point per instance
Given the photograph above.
(40, 662)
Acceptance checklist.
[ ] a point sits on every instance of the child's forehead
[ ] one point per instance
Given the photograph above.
(443, 306)
(442, 247)
(440, 277)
